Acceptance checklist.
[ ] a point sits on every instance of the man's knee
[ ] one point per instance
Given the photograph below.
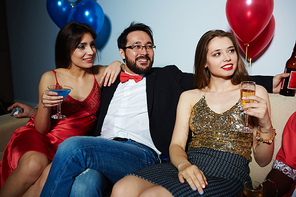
(90, 182)
(71, 144)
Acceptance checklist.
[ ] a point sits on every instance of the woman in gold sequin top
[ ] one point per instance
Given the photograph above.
(210, 119)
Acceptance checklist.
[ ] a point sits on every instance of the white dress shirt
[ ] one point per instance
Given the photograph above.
(127, 115)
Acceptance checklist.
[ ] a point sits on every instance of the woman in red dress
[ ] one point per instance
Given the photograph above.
(27, 157)
(281, 180)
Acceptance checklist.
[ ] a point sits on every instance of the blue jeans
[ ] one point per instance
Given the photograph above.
(111, 158)
(90, 183)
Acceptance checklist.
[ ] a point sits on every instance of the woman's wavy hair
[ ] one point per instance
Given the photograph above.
(67, 41)
(202, 75)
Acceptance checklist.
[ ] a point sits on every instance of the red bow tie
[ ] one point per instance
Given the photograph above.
(124, 77)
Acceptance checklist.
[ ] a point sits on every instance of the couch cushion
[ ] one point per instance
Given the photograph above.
(8, 124)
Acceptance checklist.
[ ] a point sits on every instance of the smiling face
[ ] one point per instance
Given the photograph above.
(84, 54)
(221, 57)
(139, 62)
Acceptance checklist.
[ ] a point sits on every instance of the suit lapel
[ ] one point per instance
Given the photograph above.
(150, 82)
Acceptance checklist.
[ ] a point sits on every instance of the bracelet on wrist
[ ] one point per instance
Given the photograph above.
(270, 130)
(276, 188)
(268, 140)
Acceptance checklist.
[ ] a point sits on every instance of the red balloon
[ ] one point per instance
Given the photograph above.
(260, 42)
(248, 18)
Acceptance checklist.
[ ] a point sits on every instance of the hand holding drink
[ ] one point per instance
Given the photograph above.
(247, 89)
(62, 90)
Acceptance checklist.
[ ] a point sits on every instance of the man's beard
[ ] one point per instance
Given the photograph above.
(132, 65)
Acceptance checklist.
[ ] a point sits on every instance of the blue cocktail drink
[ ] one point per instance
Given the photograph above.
(62, 90)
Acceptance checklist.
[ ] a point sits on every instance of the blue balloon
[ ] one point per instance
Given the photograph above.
(60, 11)
(90, 12)
(104, 34)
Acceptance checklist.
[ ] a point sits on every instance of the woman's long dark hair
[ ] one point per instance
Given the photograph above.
(202, 75)
(67, 41)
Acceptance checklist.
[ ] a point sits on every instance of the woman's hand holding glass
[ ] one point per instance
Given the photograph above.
(61, 90)
(50, 99)
(193, 175)
(259, 109)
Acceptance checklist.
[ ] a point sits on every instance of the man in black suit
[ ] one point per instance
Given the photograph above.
(135, 123)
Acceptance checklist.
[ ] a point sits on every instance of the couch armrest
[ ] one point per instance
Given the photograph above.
(8, 124)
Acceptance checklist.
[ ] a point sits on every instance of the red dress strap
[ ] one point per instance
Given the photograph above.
(54, 72)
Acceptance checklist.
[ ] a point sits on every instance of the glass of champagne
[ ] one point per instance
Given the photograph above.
(247, 88)
(62, 90)
(253, 189)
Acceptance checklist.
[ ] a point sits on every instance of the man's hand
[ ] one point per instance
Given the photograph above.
(28, 111)
(277, 82)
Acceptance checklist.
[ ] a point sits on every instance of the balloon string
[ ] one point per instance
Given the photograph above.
(72, 11)
(250, 60)
(246, 58)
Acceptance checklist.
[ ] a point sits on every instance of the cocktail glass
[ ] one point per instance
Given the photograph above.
(62, 90)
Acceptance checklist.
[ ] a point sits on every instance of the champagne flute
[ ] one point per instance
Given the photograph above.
(62, 90)
(247, 88)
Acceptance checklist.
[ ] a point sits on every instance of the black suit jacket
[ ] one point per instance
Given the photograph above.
(163, 87)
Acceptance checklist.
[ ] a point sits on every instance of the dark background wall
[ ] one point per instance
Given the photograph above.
(6, 93)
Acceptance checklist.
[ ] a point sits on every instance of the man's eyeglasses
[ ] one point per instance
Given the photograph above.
(138, 48)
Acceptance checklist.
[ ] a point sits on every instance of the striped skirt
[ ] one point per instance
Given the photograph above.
(225, 172)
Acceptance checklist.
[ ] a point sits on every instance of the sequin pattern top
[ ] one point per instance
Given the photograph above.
(219, 131)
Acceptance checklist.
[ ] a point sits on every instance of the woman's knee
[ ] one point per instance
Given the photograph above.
(32, 164)
(156, 191)
(127, 186)
(119, 189)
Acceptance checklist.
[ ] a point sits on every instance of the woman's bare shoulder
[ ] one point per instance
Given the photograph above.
(192, 96)
(48, 75)
(261, 91)
(193, 92)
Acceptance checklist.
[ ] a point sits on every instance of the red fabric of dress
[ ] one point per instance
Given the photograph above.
(80, 120)
(287, 153)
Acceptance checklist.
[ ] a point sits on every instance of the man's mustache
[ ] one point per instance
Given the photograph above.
(141, 57)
